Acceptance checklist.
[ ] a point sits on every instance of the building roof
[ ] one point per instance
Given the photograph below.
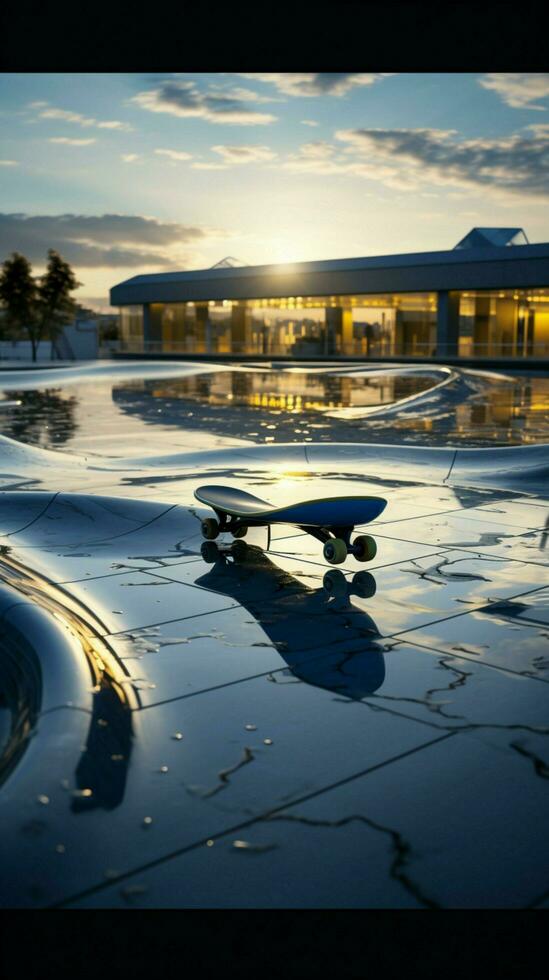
(475, 267)
(483, 237)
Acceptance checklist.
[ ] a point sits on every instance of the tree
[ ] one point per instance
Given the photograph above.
(36, 308)
(18, 294)
(55, 306)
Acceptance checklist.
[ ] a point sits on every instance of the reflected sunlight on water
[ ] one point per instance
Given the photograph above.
(423, 407)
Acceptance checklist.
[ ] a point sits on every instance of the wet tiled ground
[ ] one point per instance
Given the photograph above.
(246, 739)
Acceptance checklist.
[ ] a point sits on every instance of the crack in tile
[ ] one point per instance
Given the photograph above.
(402, 850)
(223, 776)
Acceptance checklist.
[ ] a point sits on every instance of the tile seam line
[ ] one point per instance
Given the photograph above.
(257, 819)
(290, 555)
(447, 477)
(382, 636)
(479, 663)
(308, 660)
(465, 612)
(38, 516)
(133, 530)
(127, 571)
(265, 673)
(457, 512)
(468, 550)
(166, 622)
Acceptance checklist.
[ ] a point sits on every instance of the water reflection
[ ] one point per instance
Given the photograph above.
(474, 408)
(20, 698)
(43, 418)
(396, 405)
(324, 639)
(103, 767)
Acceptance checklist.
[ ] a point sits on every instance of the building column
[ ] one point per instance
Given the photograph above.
(339, 330)
(203, 328)
(482, 333)
(506, 326)
(146, 326)
(447, 323)
(241, 329)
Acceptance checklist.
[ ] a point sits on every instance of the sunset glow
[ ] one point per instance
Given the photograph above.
(129, 173)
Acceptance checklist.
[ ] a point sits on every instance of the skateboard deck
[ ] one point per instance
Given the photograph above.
(330, 519)
(327, 512)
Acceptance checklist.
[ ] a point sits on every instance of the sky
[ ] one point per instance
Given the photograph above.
(131, 173)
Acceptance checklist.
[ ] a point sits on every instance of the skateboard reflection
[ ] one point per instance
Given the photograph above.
(324, 639)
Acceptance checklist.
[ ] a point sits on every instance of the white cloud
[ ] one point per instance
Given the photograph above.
(65, 115)
(70, 142)
(130, 157)
(539, 129)
(311, 83)
(174, 154)
(309, 122)
(8, 163)
(185, 100)
(519, 90)
(244, 154)
(209, 166)
(317, 158)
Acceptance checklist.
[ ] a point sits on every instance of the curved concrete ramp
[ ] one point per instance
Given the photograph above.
(524, 468)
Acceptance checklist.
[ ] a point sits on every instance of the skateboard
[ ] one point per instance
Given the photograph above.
(330, 520)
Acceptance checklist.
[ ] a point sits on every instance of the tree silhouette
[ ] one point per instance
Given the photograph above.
(18, 294)
(36, 308)
(55, 306)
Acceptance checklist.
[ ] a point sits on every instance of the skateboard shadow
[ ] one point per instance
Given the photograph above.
(324, 640)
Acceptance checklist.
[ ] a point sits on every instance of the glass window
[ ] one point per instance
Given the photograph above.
(504, 323)
(131, 328)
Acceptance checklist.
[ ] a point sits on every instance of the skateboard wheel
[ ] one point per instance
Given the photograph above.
(335, 551)
(210, 528)
(335, 583)
(364, 585)
(364, 548)
(240, 532)
(210, 552)
(239, 550)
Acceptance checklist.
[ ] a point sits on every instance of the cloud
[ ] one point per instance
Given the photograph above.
(407, 158)
(310, 83)
(65, 115)
(244, 154)
(8, 163)
(209, 166)
(185, 100)
(174, 154)
(317, 158)
(539, 129)
(107, 240)
(130, 157)
(70, 142)
(309, 122)
(519, 90)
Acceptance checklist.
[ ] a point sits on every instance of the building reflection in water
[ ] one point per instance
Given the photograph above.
(477, 409)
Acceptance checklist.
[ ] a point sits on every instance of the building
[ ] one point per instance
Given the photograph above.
(487, 297)
(78, 341)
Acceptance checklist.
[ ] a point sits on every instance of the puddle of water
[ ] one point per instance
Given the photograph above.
(226, 407)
